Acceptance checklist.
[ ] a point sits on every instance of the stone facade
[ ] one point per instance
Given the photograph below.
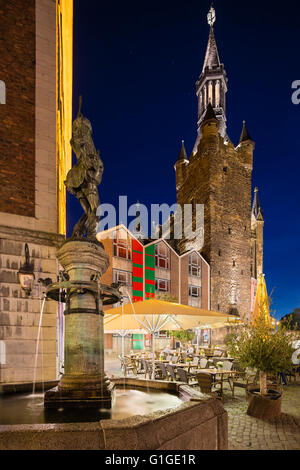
(20, 315)
(219, 176)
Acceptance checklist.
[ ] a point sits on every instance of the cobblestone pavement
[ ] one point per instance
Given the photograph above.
(249, 433)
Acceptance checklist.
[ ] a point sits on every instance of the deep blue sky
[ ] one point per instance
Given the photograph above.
(136, 64)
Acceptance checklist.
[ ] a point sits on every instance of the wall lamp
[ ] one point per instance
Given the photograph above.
(26, 274)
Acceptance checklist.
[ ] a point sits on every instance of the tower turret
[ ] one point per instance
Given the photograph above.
(180, 166)
(245, 147)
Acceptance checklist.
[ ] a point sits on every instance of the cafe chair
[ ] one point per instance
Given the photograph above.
(185, 377)
(163, 371)
(127, 366)
(209, 386)
(171, 372)
(244, 379)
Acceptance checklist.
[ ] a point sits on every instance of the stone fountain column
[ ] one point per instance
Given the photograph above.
(84, 381)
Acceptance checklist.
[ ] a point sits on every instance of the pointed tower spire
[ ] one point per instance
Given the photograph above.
(212, 59)
(256, 207)
(212, 84)
(245, 134)
(182, 154)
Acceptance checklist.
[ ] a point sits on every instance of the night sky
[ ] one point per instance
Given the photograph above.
(136, 64)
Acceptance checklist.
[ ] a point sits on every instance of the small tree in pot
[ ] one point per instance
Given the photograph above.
(269, 351)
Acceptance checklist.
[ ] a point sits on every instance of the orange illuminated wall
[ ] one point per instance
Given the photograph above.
(64, 26)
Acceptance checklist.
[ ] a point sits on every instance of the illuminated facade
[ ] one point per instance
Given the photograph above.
(64, 102)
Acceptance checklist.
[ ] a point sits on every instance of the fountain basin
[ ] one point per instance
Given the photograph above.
(197, 422)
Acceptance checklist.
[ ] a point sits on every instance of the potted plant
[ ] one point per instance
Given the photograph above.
(269, 351)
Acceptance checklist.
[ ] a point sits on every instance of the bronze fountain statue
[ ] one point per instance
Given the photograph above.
(83, 260)
(85, 176)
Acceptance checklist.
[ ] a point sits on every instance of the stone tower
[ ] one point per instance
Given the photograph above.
(218, 175)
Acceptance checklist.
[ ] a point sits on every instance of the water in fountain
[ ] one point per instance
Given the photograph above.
(18, 409)
(38, 398)
(130, 299)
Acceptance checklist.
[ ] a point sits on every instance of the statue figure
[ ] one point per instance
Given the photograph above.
(85, 176)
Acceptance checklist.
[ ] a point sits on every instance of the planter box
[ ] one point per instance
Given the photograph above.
(264, 406)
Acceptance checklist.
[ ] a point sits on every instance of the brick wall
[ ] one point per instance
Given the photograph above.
(184, 264)
(28, 167)
(205, 274)
(17, 116)
(174, 281)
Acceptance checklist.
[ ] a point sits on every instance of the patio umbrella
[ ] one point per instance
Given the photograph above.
(154, 315)
(261, 308)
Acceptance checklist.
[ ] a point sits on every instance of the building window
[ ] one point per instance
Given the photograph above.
(121, 244)
(194, 265)
(162, 285)
(162, 256)
(123, 277)
(194, 291)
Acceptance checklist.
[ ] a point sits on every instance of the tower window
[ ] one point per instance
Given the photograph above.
(242, 272)
(220, 253)
(229, 230)
(233, 262)
(225, 169)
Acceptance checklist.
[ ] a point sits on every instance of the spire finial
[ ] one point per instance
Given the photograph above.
(211, 16)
